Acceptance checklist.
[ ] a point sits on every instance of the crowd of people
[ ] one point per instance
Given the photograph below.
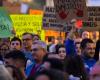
(29, 58)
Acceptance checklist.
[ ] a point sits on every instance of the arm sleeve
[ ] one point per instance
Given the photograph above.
(70, 47)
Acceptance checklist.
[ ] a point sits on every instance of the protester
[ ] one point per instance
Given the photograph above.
(95, 35)
(6, 40)
(36, 37)
(48, 75)
(27, 40)
(95, 72)
(59, 42)
(44, 75)
(78, 48)
(62, 52)
(17, 59)
(88, 52)
(4, 74)
(85, 35)
(52, 63)
(27, 57)
(51, 45)
(14, 72)
(38, 52)
(69, 43)
(4, 49)
(75, 67)
(15, 44)
(42, 43)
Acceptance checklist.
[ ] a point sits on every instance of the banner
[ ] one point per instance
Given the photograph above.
(6, 25)
(28, 23)
(66, 10)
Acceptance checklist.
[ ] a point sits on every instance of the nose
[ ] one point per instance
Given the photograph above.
(93, 50)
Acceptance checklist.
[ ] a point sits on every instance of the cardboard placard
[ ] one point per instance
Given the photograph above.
(66, 10)
(49, 19)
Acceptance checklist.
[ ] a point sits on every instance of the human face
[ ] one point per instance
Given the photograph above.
(60, 40)
(15, 45)
(78, 49)
(53, 40)
(27, 41)
(4, 50)
(35, 38)
(95, 35)
(85, 34)
(42, 77)
(62, 53)
(90, 50)
(38, 52)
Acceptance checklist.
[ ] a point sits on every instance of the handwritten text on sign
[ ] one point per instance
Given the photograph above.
(49, 19)
(2, 26)
(26, 23)
(5, 24)
(69, 9)
(94, 15)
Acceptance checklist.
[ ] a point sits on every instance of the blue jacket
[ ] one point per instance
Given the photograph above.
(88, 63)
(29, 68)
(70, 47)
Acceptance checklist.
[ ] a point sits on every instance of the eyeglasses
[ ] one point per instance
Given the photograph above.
(35, 49)
(27, 39)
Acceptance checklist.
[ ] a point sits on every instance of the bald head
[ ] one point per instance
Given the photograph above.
(85, 35)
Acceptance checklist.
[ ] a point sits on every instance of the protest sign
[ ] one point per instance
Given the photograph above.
(28, 23)
(93, 22)
(66, 10)
(49, 19)
(6, 25)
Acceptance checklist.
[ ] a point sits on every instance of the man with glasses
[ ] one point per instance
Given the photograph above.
(27, 40)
